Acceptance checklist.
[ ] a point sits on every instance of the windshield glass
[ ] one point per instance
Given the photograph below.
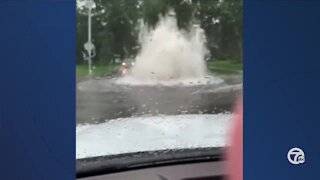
(156, 75)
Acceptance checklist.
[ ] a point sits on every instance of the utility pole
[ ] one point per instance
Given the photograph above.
(89, 46)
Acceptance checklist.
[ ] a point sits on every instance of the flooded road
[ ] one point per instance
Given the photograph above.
(100, 100)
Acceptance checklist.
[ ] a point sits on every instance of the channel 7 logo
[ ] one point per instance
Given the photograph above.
(296, 156)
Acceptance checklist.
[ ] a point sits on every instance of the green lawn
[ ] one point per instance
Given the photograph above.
(225, 67)
(98, 71)
(219, 67)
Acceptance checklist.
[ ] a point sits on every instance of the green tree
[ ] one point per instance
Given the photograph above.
(115, 22)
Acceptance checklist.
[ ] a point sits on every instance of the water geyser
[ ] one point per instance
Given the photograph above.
(170, 56)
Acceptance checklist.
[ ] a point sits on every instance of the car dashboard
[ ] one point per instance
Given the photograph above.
(192, 171)
(183, 164)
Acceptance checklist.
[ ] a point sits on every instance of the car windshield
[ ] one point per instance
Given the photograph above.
(156, 75)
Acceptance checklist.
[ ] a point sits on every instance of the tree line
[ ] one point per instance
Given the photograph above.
(115, 25)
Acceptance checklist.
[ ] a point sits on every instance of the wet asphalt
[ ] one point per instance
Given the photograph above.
(100, 100)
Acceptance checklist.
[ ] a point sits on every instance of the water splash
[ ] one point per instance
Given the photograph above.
(170, 56)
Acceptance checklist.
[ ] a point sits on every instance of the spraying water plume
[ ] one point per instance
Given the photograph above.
(170, 56)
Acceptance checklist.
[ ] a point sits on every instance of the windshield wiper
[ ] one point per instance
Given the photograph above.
(122, 162)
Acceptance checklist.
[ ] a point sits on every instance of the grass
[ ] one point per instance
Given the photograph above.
(225, 67)
(219, 67)
(98, 71)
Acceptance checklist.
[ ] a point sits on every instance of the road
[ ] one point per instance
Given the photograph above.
(99, 102)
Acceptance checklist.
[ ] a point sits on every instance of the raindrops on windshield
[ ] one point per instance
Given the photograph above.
(158, 75)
